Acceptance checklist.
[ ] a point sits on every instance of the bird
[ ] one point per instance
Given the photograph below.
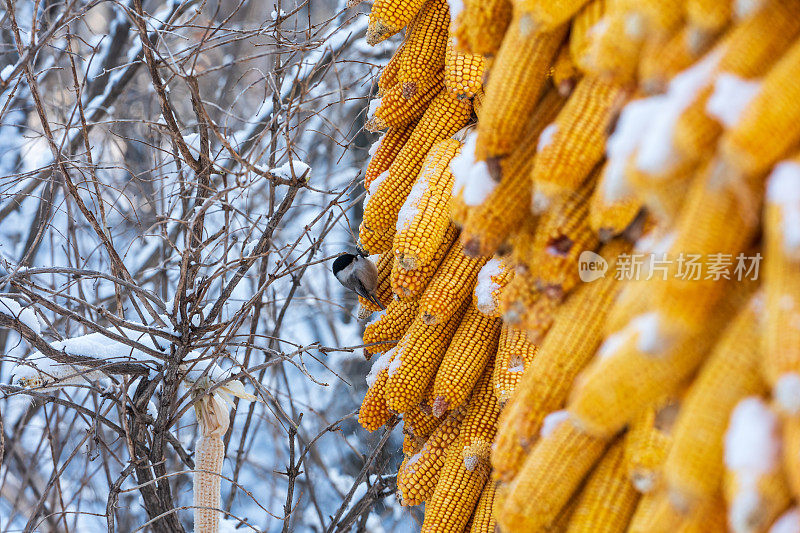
(359, 274)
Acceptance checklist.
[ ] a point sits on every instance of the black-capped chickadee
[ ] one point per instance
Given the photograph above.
(359, 274)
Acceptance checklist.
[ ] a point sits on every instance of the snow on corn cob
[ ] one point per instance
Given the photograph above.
(781, 361)
(425, 217)
(411, 283)
(713, 109)
(756, 491)
(419, 473)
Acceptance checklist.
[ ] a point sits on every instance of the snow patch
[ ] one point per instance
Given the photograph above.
(456, 7)
(25, 315)
(373, 187)
(546, 137)
(752, 444)
(552, 421)
(285, 170)
(614, 342)
(379, 366)
(788, 522)
(471, 178)
(621, 145)
(485, 287)
(650, 338)
(730, 98)
(783, 190)
(374, 104)
(415, 457)
(411, 206)
(376, 146)
(787, 392)
(394, 366)
(6, 72)
(656, 150)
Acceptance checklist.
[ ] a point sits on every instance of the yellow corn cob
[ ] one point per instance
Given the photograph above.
(561, 522)
(400, 106)
(520, 241)
(755, 487)
(562, 234)
(389, 327)
(571, 147)
(708, 16)
(766, 130)
(424, 46)
(518, 76)
(489, 224)
(210, 454)
(694, 468)
(411, 283)
(749, 51)
(492, 279)
(552, 472)
(482, 25)
(791, 452)
(384, 153)
(419, 423)
(654, 513)
(612, 52)
(515, 353)
(444, 117)
(419, 474)
(374, 412)
(662, 59)
(389, 17)
(781, 346)
(388, 77)
(472, 347)
(451, 286)
(565, 72)
(477, 100)
(463, 72)
(480, 425)
(456, 495)
(708, 517)
(411, 445)
(608, 499)
(720, 216)
(575, 335)
(658, 16)
(418, 356)
(529, 308)
(425, 217)
(541, 15)
(483, 520)
(646, 449)
(644, 364)
(610, 212)
(384, 289)
(583, 25)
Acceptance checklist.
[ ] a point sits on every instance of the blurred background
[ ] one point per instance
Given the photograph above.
(185, 170)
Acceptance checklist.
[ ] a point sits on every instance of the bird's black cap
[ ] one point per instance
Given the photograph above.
(342, 262)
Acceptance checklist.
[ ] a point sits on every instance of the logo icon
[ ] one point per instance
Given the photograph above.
(591, 266)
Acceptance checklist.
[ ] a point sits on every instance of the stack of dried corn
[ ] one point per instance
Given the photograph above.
(651, 135)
